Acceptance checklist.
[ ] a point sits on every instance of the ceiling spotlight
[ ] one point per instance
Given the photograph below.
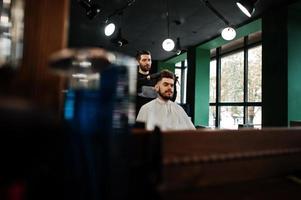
(119, 41)
(92, 9)
(109, 29)
(228, 33)
(179, 51)
(247, 6)
(168, 44)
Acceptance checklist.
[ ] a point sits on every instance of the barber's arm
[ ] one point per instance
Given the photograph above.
(153, 76)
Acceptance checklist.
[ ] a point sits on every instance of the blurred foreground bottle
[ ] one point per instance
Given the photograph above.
(100, 109)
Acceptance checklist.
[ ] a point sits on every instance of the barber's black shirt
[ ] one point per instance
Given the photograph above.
(143, 97)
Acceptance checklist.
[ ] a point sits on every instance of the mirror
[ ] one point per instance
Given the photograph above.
(11, 32)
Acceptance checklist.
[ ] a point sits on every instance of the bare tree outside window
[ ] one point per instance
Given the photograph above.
(232, 78)
(254, 84)
(212, 81)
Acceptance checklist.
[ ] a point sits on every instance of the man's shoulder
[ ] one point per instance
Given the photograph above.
(149, 104)
(177, 105)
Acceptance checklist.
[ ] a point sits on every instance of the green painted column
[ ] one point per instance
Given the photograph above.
(202, 75)
(198, 84)
(294, 62)
(281, 87)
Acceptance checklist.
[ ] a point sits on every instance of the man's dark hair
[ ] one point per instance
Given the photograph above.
(165, 74)
(142, 52)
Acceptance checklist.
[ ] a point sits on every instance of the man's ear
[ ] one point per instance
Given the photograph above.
(157, 87)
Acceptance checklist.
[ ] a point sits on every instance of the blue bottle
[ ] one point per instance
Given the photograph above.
(99, 109)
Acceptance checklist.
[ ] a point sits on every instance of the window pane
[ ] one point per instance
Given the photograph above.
(183, 85)
(212, 116)
(178, 84)
(181, 73)
(231, 116)
(254, 116)
(254, 74)
(232, 77)
(212, 81)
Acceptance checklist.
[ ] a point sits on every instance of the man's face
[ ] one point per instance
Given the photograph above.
(165, 88)
(145, 62)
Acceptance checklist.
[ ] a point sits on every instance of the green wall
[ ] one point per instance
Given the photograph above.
(201, 108)
(170, 63)
(245, 30)
(166, 65)
(294, 62)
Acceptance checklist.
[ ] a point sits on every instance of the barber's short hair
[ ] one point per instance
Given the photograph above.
(142, 52)
(165, 74)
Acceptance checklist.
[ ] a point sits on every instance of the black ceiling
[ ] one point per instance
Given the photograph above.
(144, 23)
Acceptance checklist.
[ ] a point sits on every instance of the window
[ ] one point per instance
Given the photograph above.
(235, 84)
(181, 74)
(232, 77)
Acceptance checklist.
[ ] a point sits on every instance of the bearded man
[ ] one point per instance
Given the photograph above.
(163, 112)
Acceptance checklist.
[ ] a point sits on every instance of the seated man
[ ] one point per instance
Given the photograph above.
(163, 112)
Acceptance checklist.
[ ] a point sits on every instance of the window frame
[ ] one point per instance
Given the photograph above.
(246, 104)
(182, 68)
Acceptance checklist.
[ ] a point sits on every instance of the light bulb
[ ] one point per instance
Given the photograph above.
(109, 29)
(244, 9)
(228, 33)
(168, 44)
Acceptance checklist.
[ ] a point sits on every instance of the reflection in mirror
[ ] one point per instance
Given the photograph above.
(11, 32)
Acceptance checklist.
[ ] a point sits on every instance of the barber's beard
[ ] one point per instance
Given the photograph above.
(145, 68)
(165, 97)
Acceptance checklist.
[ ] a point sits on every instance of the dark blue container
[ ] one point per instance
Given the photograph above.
(99, 112)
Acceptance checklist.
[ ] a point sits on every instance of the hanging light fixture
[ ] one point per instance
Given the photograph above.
(110, 26)
(92, 9)
(227, 33)
(168, 44)
(109, 29)
(119, 41)
(178, 48)
(247, 6)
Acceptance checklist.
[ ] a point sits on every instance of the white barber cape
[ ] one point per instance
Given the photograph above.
(166, 115)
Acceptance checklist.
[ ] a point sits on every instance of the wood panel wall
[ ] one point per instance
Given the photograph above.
(45, 31)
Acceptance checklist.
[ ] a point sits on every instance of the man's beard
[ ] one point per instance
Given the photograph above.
(145, 68)
(164, 96)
